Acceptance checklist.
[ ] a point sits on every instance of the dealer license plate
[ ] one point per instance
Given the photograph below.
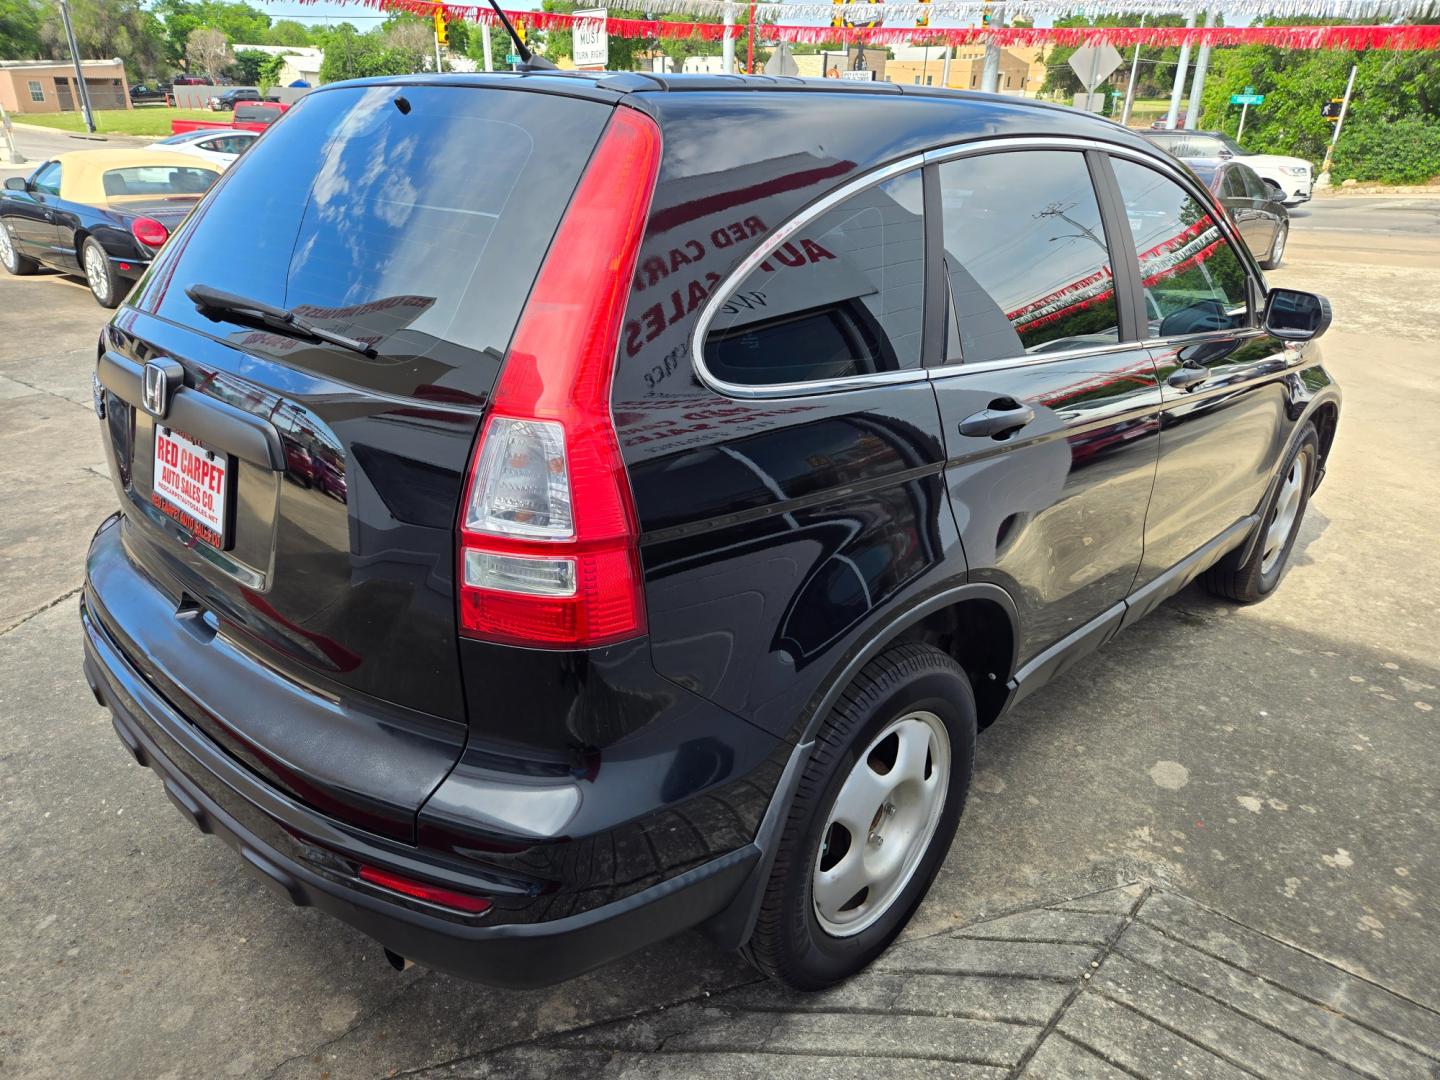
(192, 485)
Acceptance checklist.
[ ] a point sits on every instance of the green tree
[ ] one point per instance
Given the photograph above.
(1396, 100)
(288, 32)
(19, 30)
(104, 29)
(352, 55)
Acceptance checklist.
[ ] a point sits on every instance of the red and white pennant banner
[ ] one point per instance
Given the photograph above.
(1284, 37)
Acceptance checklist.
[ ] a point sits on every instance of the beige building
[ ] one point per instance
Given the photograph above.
(966, 68)
(46, 86)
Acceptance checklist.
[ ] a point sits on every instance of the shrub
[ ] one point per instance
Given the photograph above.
(1399, 152)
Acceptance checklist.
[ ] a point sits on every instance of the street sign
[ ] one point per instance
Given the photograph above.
(1249, 89)
(1093, 64)
(1331, 109)
(592, 45)
(1247, 99)
(781, 62)
(865, 75)
(512, 58)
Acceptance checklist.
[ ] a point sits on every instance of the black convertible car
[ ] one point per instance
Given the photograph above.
(100, 213)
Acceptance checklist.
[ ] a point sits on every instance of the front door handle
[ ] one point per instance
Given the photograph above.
(1187, 378)
(1002, 418)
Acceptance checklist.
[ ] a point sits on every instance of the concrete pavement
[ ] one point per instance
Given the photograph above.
(1275, 765)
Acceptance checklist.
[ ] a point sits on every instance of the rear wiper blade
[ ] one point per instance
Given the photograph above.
(208, 299)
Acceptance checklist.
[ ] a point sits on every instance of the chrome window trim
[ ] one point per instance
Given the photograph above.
(733, 280)
(1155, 158)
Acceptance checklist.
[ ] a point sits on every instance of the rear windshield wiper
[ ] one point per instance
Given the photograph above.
(208, 299)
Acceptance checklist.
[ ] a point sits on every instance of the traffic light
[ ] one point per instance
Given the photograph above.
(520, 31)
(924, 19)
(442, 32)
(985, 17)
(837, 21)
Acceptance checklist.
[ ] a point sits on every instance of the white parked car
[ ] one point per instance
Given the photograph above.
(220, 146)
(1289, 177)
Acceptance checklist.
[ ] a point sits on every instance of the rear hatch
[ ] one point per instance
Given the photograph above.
(299, 497)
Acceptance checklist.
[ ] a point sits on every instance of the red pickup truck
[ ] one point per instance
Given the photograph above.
(249, 116)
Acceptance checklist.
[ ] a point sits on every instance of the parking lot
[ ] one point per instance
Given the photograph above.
(1258, 786)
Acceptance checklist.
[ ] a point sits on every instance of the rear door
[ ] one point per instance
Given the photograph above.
(1050, 409)
(1225, 410)
(414, 218)
(789, 491)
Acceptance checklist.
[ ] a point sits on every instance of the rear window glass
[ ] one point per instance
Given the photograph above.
(254, 113)
(158, 180)
(412, 217)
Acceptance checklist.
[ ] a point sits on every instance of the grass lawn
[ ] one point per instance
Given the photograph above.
(145, 120)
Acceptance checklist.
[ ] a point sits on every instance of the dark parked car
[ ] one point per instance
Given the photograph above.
(700, 497)
(141, 92)
(1259, 216)
(99, 213)
(226, 99)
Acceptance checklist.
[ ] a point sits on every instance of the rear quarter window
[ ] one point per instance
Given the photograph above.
(416, 225)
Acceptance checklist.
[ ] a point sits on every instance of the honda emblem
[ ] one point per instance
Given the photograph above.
(157, 390)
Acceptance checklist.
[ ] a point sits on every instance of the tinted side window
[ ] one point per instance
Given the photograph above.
(840, 298)
(1026, 255)
(1194, 281)
(1232, 186)
(47, 180)
(1254, 188)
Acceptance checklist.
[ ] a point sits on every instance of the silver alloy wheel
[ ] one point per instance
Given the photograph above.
(1287, 507)
(7, 251)
(95, 273)
(881, 824)
(1278, 251)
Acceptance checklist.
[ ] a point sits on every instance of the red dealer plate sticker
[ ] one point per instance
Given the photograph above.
(191, 485)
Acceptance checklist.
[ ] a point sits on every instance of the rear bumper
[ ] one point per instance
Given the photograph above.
(278, 840)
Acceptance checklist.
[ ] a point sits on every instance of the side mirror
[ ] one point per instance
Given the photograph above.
(16, 183)
(1292, 315)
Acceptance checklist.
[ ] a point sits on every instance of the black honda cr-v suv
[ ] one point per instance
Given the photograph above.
(561, 510)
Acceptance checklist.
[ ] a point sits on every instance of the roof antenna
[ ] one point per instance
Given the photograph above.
(528, 60)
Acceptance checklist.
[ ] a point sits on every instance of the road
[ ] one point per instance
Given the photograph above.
(1410, 215)
(1276, 764)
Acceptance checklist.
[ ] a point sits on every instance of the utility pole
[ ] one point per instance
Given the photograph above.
(727, 46)
(1197, 85)
(990, 76)
(1178, 90)
(16, 158)
(1134, 74)
(485, 43)
(945, 71)
(81, 89)
(1324, 180)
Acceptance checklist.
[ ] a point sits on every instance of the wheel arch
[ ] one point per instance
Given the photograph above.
(952, 619)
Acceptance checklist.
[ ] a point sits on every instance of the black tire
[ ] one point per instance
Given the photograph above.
(100, 275)
(11, 259)
(789, 943)
(1276, 255)
(1252, 581)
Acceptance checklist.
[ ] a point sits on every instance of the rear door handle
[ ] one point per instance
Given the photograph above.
(1001, 419)
(1186, 378)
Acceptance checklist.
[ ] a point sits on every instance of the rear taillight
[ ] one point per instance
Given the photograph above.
(149, 232)
(548, 538)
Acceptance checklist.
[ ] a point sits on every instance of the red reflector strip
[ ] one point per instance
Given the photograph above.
(420, 890)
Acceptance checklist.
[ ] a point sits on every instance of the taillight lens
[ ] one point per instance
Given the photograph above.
(149, 232)
(423, 890)
(548, 538)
